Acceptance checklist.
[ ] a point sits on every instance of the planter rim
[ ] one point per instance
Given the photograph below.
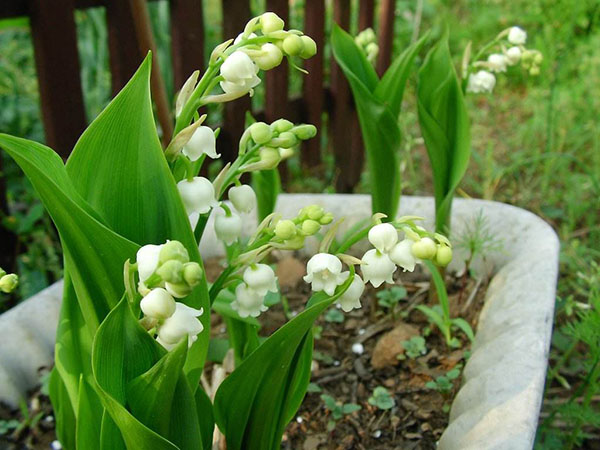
(497, 406)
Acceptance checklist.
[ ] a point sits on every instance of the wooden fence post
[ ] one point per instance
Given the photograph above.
(57, 65)
(386, 34)
(187, 39)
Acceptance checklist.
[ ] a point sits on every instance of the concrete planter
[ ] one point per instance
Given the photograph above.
(498, 404)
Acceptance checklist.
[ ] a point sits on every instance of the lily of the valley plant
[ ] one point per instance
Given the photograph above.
(134, 331)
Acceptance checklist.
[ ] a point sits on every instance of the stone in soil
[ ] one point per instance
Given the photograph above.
(389, 346)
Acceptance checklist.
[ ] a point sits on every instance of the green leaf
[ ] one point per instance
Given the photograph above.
(63, 411)
(206, 418)
(445, 126)
(433, 316)
(349, 408)
(379, 126)
(243, 338)
(390, 88)
(122, 351)
(89, 417)
(267, 185)
(255, 403)
(465, 327)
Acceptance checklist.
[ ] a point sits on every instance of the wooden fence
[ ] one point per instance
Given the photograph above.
(53, 31)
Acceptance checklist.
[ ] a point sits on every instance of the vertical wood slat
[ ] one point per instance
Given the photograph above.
(366, 14)
(8, 240)
(57, 64)
(187, 39)
(276, 89)
(345, 135)
(236, 14)
(129, 21)
(386, 34)
(312, 87)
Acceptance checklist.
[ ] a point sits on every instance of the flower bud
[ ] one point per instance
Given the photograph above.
(243, 198)
(270, 22)
(293, 45)
(309, 47)
(513, 55)
(158, 304)
(310, 227)
(9, 283)
(285, 153)
(534, 71)
(286, 139)
(173, 250)
(517, 36)
(147, 260)
(171, 271)
(270, 58)
(383, 237)
(261, 132)
(261, 278)
(269, 157)
(295, 243)
(314, 212)
(192, 273)
(198, 195)
(305, 132)
(443, 255)
(228, 228)
(203, 141)
(326, 219)
(285, 229)
(424, 248)
(178, 290)
(282, 125)
(538, 58)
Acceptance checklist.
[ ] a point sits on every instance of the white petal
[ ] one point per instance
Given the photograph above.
(147, 260)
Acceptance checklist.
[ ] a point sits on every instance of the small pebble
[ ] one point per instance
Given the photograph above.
(358, 348)
(377, 434)
(336, 363)
(49, 419)
(55, 445)
(299, 419)
(361, 331)
(293, 313)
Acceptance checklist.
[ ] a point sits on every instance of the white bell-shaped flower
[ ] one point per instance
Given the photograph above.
(147, 260)
(247, 301)
(261, 278)
(158, 304)
(497, 62)
(243, 198)
(383, 237)
(324, 272)
(517, 36)
(198, 195)
(228, 228)
(402, 255)
(377, 268)
(513, 55)
(351, 298)
(182, 323)
(239, 73)
(240, 36)
(202, 142)
(482, 81)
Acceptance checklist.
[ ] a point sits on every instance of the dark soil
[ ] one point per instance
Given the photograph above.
(420, 413)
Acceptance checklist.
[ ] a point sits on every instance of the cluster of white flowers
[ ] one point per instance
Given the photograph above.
(259, 279)
(324, 271)
(512, 52)
(165, 273)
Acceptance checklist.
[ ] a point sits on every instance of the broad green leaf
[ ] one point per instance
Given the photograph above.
(122, 351)
(390, 88)
(267, 185)
(445, 127)
(243, 338)
(206, 418)
(379, 127)
(433, 316)
(119, 168)
(254, 404)
(348, 53)
(63, 411)
(89, 417)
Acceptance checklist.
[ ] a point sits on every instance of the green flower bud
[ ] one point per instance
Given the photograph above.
(305, 132)
(309, 47)
(293, 45)
(443, 255)
(192, 273)
(310, 227)
(282, 125)
(424, 248)
(171, 271)
(261, 132)
(538, 58)
(296, 243)
(173, 250)
(286, 153)
(271, 57)
(269, 157)
(178, 290)
(8, 283)
(326, 219)
(271, 22)
(314, 212)
(534, 71)
(285, 229)
(286, 139)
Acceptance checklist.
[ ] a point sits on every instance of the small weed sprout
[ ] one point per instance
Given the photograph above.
(443, 384)
(389, 298)
(413, 348)
(337, 409)
(382, 399)
(334, 315)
